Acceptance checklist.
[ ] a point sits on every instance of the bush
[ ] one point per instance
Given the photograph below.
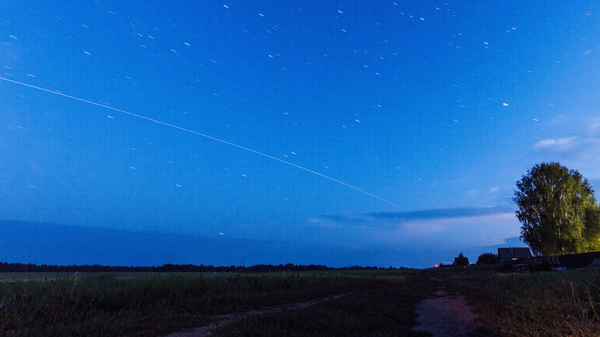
(488, 258)
(461, 260)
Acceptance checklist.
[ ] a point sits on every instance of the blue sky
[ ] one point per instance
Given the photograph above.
(429, 110)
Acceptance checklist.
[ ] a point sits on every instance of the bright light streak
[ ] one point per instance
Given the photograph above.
(202, 135)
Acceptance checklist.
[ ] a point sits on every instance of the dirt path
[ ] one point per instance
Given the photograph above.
(447, 315)
(221, 320)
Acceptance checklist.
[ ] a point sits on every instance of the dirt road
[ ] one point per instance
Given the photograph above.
(447, 315)
(443, 315)
(221, 320)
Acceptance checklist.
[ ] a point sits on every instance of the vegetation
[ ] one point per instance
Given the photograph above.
(558, 212)
(461, 260)
(547, 304)
(488, 258)
(532, 304)
(382, 306)
(170, 268)
(377, 302)
(591, 233)
(153, 304)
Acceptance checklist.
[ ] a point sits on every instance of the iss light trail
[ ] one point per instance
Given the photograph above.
(202, 135)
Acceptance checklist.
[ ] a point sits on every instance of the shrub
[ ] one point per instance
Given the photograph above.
(488, 258)
(461, 260)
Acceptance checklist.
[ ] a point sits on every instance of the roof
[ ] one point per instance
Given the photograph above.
(513, 253)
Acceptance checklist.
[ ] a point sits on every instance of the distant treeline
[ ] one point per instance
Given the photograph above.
(168, 268)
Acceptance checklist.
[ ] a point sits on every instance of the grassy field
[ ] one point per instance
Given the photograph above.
(563, 303)
(379, 303)
(383, 305)
(138, 304)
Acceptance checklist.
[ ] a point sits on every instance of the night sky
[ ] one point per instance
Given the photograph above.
(328, 132)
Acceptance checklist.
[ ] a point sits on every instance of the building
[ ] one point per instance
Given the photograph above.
(513, 253)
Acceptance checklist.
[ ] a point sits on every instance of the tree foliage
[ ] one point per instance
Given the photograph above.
(591, 230)
(461, 260)
(558, 212)
(488, 258)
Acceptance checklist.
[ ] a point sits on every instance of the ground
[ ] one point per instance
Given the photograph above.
(447, 315)
(444, 315)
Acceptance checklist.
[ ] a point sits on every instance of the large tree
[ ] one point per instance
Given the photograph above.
(557, 210)
(591, 230)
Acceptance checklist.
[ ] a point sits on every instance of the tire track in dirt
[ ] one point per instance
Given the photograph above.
(220, 320)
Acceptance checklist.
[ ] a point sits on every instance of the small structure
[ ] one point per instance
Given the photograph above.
(513, 254)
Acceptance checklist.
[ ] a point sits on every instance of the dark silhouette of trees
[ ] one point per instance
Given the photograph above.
(461, 260)
(488, 258)
(171, 268)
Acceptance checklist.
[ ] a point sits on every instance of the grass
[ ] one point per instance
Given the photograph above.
(379, 303)
(532, 304)
(509, 304)
(383, 306)
(126, 304)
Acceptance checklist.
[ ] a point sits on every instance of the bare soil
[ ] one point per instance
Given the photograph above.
(446, 315)
(220, 320)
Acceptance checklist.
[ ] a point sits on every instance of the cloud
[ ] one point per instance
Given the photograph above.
(579, 151)
(560, 145)
(422, 228)
(431, 229)
(429, 235)
(394, 219)
(514, 241)
(442, 213)
(460, 233)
